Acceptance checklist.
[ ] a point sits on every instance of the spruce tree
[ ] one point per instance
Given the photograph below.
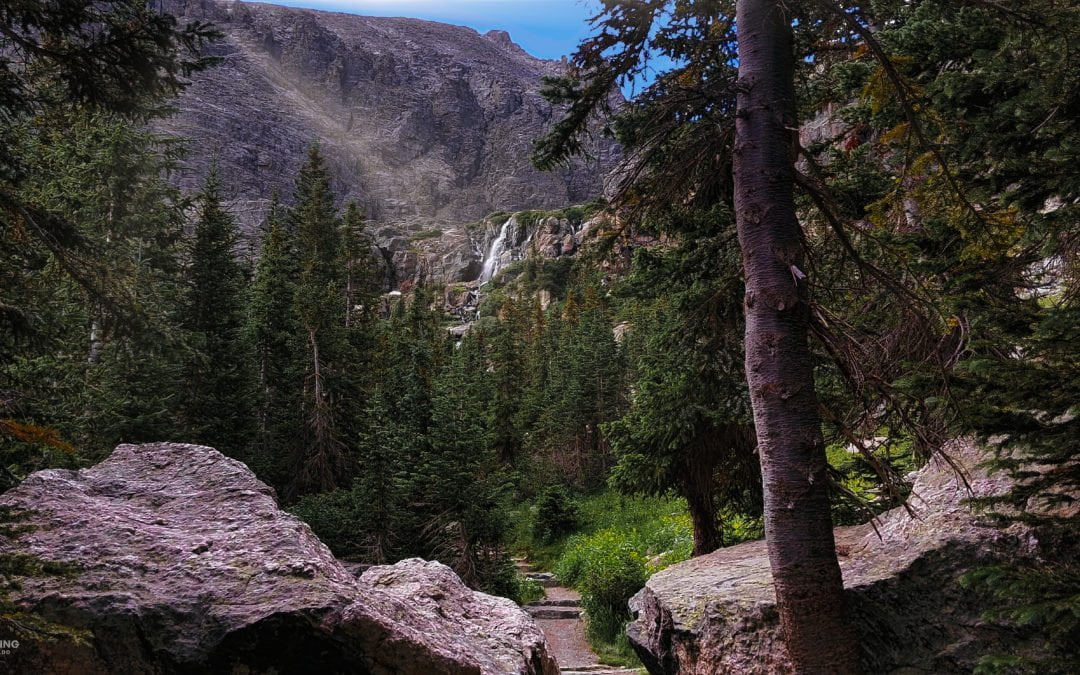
(379, 480)
(359, 268)
(321, 462)
(271, 333)
(118, 59)
(114, 360)
(506, 382)
(582, 388)
(464, 482)
(407, 363)
(357, 381)
(688, 425)
(217, 407)
(534, 375)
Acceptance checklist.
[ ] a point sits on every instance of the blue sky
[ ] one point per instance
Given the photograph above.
(545, 28)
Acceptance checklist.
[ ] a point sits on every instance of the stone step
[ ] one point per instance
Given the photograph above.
(554, 612)
(598, 669)
(546, 579)
(556, 603)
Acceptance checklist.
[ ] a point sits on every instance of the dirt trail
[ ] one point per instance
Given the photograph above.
(559, 616)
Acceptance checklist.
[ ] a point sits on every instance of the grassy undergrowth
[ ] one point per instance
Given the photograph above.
(606, 546)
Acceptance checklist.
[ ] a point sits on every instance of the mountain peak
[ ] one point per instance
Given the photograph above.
(420, 121)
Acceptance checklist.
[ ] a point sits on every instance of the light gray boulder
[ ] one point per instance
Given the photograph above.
(717, 613)
(185, 563)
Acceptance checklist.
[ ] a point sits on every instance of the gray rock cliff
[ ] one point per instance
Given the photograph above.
(184, 563)
(421, 121)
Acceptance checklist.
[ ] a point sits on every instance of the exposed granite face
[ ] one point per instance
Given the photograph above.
(717, 613)
(421, 122)
(408, 255)
(185, 563)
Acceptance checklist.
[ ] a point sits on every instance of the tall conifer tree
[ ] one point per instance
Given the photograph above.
(321, 460)
(272, 335)
(217, 406)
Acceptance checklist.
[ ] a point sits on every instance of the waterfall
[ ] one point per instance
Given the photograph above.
(528, 240)
(491, 262)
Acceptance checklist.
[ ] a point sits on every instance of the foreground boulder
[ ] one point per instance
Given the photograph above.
(185, 563)
(717, 613)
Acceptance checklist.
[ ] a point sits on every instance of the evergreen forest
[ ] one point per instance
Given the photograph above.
(844, 235)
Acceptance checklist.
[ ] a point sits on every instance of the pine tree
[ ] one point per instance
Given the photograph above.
(272, 332)
(321, 463)
(688, 425)
(217, 407)
(462, 477)
(359, 268)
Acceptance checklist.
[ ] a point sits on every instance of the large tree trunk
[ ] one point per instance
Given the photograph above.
(320, 459)
(707, 535)
(698, 487)
(798, 527)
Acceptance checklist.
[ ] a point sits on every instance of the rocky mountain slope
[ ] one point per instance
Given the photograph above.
(421, 122)
(181, 561)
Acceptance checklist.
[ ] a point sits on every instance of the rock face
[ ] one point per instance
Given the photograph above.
(420, 121)
(470, 256)
(185, 563)
(717, 613)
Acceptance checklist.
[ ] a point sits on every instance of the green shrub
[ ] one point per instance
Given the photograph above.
(499, 576)
(571, 564)
(739, 527)
(579, 213)
(607, 568)
(531, 217)
(528, 590)
(508, 273)
(493, 300)
(554, 276)
(556, 514)
(338, 519)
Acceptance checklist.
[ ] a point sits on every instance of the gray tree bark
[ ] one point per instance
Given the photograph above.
(798, 527)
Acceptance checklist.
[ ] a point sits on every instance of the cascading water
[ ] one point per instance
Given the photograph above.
(528, 240)
(491, 262)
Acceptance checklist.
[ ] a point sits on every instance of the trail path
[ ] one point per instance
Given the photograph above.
(559, 616)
